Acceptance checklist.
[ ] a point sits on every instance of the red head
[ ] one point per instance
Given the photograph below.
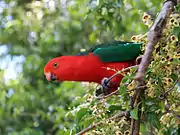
(57, 69)
(50, 70)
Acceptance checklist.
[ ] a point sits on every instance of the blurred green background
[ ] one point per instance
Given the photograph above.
(33, 32)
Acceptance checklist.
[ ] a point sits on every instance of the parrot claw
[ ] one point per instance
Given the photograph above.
(100, 92)
(105, 83)
(104, 90)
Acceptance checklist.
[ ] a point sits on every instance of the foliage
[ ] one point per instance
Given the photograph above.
(32, 32)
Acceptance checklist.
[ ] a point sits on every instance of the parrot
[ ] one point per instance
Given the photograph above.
(95, 65)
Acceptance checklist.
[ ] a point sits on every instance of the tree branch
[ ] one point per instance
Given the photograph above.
(164, 94)
(167, 108)
(115, 92)
(121, 71)
(154, 35)
(125, 113)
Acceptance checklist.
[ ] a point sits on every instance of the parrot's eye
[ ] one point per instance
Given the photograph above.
(55, 65)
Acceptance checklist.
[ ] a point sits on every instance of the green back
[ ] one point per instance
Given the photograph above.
(116, 51)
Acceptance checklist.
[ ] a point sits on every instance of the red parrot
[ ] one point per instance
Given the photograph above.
(98, 63)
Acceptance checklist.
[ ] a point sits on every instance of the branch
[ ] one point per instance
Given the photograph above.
(175, 114)
(154, 35)
(115, 92)
(109, 95)
(125, 113)
(164, 94)
(170, 89)
(121, 71)
(167, 108)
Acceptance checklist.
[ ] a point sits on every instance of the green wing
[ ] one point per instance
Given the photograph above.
(116, 51)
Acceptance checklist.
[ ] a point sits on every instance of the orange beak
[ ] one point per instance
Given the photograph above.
(48, 76)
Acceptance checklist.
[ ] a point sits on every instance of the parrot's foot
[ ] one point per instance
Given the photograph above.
(100, 92)
(106, 88)
(105, 83)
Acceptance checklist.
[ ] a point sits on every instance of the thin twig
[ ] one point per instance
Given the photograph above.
(115, 92)
(125, 113)
(164, 94)
(175, 114)
(172, 86)
(109, 95)
(167, 108)
(121, 71)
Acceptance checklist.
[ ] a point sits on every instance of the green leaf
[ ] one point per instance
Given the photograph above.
(153, 120)
(151, 104)
(134, 113)
(113, 108)
(122, 87)
(176, 31)
(82, 112)
(61, 132)
(143, 128)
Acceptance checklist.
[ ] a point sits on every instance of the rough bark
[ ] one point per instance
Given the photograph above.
(154, 35)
